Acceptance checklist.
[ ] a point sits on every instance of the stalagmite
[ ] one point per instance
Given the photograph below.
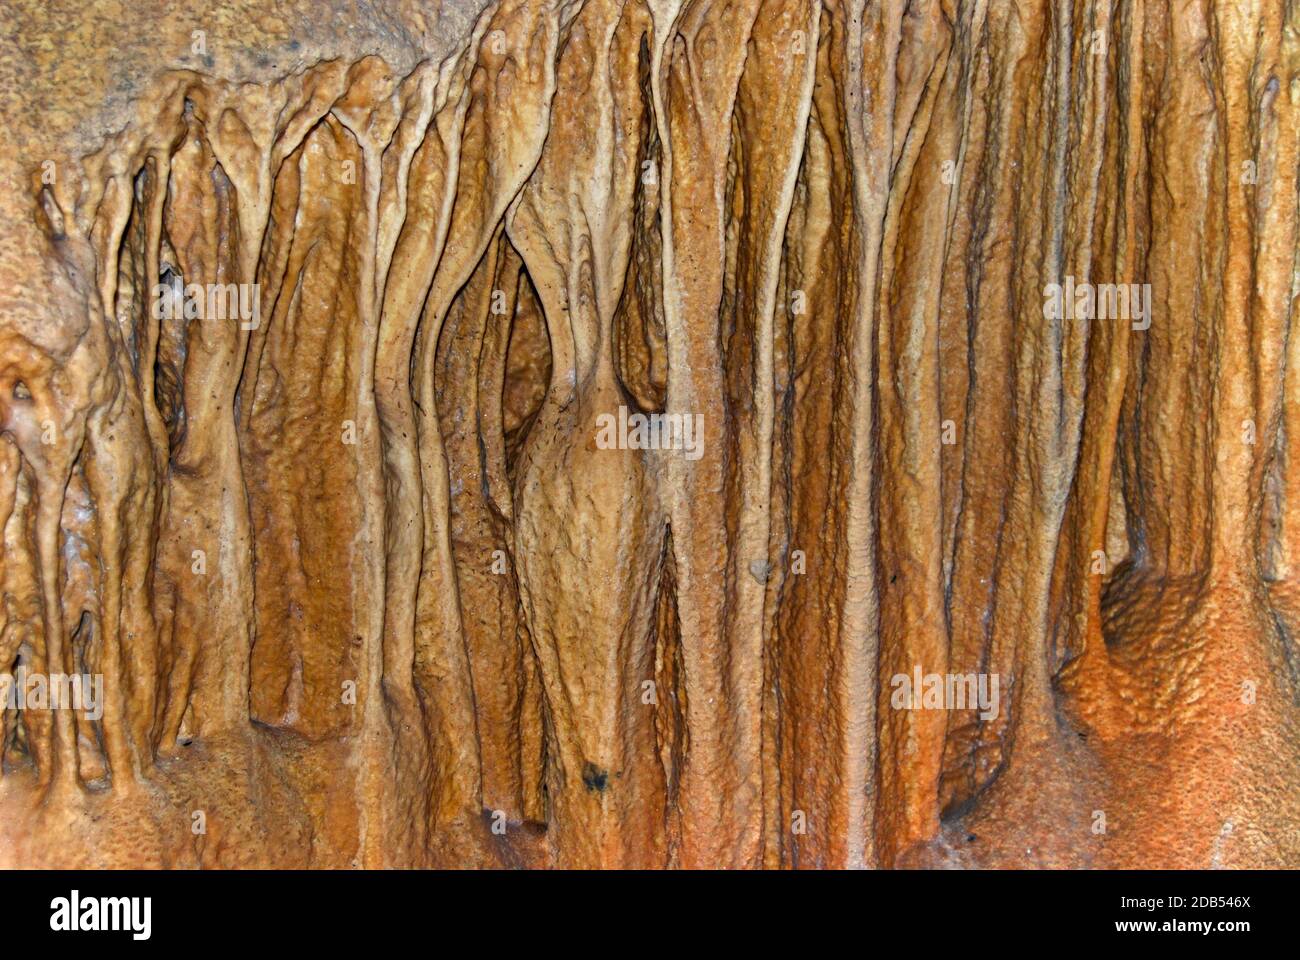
(650, 433)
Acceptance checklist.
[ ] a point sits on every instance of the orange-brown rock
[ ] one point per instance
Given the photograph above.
(650, 433)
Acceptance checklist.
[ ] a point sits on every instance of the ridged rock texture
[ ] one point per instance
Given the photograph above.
(368, 583)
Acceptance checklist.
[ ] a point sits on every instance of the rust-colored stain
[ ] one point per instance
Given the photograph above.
(650, 433)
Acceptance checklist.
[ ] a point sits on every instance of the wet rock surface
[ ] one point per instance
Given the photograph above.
(650, 433)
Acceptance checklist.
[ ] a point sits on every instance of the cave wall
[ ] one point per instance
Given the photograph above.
(366, 585)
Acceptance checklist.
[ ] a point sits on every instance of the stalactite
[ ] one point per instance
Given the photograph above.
(565, 432)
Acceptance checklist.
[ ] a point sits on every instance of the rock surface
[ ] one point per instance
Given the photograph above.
(335, 340)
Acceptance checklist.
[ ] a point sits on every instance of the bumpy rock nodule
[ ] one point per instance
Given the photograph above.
(564, 433)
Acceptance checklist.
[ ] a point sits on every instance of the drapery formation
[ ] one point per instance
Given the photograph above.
(365, 587)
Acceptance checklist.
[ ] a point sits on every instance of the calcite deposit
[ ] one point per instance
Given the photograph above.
(650, 433)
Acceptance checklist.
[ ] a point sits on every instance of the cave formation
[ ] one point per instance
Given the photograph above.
(333, 338)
